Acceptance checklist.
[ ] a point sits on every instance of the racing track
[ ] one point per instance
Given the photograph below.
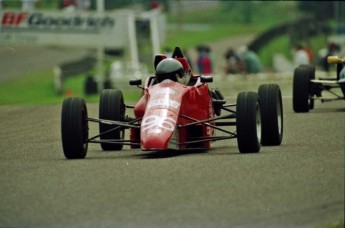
(299, 184)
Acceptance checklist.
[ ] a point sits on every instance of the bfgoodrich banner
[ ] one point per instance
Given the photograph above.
(65, 29)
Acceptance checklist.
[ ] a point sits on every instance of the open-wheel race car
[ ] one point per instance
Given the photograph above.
(307, 88)
(177, 111)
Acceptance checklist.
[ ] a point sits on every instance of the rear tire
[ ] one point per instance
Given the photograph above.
(74, 128)
(111, 107)
(301, 94)
(248, 122)
(271, 108)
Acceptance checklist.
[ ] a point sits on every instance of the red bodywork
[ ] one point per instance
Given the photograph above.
(166, 107)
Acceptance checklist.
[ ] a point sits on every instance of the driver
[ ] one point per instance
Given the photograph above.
(172, 69)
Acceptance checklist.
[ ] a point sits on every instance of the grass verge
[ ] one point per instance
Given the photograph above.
(226, 21)
(38, 88)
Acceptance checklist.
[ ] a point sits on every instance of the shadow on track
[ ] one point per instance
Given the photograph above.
(169, 153)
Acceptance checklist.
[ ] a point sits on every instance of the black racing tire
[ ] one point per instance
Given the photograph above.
(248, 122)
(311, 71)
(301, 93)
(216, 96)
(74, 128)
(271, 107)
(111, 107)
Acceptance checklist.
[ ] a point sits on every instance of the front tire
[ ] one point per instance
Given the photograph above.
(301, 94)
(271, 108)
(111, 107)
(248, 122)
(74, 128)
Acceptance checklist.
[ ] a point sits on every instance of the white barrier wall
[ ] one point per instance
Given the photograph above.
(112, 29)
(82, 29)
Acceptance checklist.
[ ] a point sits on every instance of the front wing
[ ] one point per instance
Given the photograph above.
(219, 123)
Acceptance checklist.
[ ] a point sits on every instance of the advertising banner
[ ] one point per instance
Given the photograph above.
(78, 29)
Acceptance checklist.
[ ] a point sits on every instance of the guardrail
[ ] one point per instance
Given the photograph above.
(64, 70)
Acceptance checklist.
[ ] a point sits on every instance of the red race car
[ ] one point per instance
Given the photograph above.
(177, 111)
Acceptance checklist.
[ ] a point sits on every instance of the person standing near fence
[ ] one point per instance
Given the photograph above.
(250, 60)
(204, 60)
(300, 56)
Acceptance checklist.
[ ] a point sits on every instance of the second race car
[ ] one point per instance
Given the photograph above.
(307, 89)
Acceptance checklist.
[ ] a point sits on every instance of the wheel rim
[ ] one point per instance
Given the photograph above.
(258, 122)
(280, 117)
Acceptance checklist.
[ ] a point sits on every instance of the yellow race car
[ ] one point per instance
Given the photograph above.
(307, 89)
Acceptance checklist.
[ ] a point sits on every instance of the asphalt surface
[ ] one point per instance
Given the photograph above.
(297, 184)
(19, 61)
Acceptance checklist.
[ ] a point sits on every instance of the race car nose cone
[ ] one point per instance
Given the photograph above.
(154, 142)
(157, 128)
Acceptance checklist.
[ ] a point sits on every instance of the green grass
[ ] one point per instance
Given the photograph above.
(340, 225)
(30, 89)
(188, 39)
(279, 45)
(225, 21)
(335, 225)
(236, 13)
(282, 45)
(38, 88)
(75, 85)
(229, 20)
(45, 4)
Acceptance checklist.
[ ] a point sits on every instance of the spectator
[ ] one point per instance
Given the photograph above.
(233, 62)
(212, 58)
(72, 5)
(154, 5)
(68, 5)
(300, 56)
(332, 49)
(204, 61)
(250, 60)
(310, 53)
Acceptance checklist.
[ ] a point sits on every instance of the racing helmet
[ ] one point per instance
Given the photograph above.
(172, 69)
